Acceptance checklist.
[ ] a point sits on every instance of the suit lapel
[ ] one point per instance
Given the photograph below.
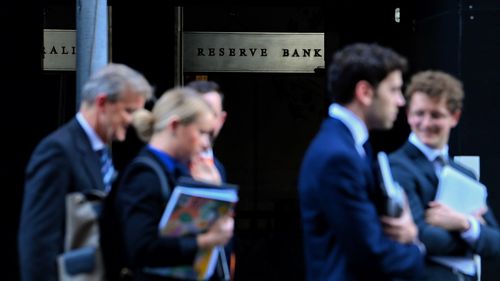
(424, 170)
(88, 157)
(342, 133)
(463, 169)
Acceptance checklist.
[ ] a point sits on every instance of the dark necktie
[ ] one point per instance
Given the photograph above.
(372, 165)
(440, 161)
(107, 169)
(368, 151)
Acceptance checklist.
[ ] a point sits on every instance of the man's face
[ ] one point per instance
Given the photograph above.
(386, 101)
(215, 101)
(116, 116)
(431, 120)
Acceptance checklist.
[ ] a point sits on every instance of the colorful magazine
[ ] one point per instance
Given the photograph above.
(193, 209)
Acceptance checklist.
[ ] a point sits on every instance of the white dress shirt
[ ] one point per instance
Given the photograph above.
(355, 125)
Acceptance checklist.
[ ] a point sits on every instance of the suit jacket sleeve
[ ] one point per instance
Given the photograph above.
(420, 185)
(41, 233)
(141, 205)
(488, 244)
(350, 211)
(437, 240)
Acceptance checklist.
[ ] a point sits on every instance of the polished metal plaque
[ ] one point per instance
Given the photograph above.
(253, 52)
(59, 49)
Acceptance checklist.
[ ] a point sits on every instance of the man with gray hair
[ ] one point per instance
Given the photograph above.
(75, 158)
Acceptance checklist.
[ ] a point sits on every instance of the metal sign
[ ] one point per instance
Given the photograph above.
(59, 49)
(252, 52)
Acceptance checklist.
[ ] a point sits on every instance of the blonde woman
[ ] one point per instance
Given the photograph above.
(177, 130)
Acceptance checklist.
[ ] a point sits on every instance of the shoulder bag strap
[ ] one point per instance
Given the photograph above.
(145, 161)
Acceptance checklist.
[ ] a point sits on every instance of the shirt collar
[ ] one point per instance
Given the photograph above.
(355, 125)
(95, 141)
(171, 163)
(429, 152)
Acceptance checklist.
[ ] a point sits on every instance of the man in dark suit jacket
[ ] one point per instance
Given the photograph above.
(67, 161)
(345, 238)
(451, 238)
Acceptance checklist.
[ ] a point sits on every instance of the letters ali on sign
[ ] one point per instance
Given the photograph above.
(59, 49)
(253, 52)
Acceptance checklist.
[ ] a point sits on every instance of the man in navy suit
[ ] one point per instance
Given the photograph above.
(67, 161)
(345, 237)
(451, 238)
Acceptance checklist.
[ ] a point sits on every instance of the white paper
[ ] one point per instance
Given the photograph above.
(470, 161)
(387, 178)
(460, 192)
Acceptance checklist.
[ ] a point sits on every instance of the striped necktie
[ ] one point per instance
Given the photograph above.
(107, 168)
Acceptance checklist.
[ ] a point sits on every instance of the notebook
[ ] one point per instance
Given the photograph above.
(460, 192)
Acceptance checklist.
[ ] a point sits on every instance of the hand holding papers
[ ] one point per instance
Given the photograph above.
(193, 208)
(460, 192)
(393, 193)
(398, 221)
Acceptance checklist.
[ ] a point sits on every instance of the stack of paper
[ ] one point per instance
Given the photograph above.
(460, 192)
